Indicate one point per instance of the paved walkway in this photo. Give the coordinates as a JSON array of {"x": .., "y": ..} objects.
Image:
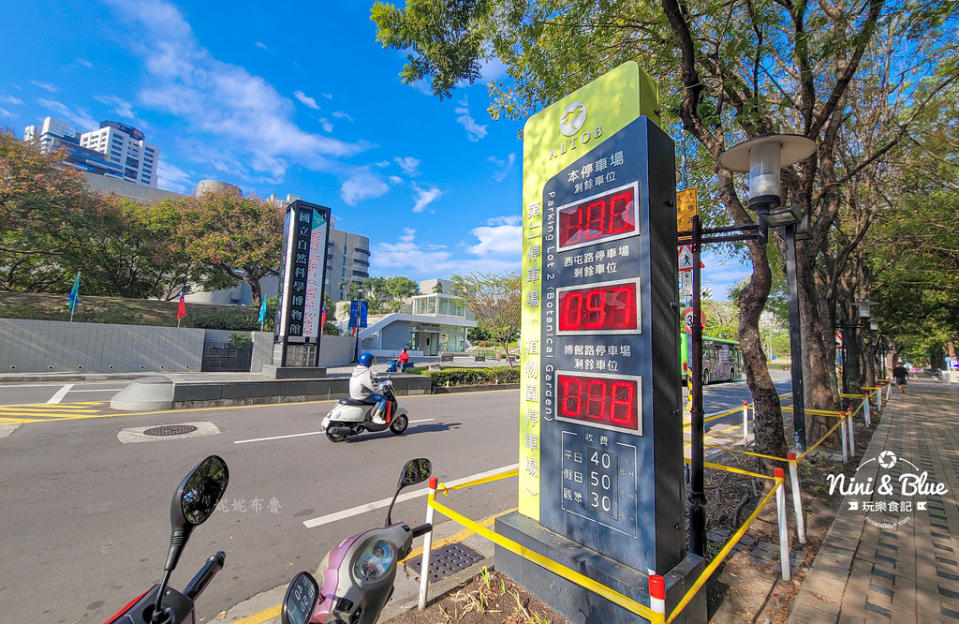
[{"x": 895, "y": 566}]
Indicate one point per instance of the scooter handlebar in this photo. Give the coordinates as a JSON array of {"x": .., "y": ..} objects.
[
  {"x": 199, "y": 582},
  {"x": 422, "y": 529}
]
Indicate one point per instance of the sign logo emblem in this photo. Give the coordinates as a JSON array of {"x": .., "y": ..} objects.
[{"x": 572, "y": 119}]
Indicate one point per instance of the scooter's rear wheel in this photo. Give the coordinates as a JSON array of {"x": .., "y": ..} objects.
[
  {"x": 398, "y": 425},
  {"x": 336, "y": 434}
]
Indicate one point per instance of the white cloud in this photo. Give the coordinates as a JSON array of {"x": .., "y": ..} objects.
[
  {"x": 120, "y": 106},
  {"x": 325, "y": 123},
  {"x": 497, "y": 240},
  {"x": 9, "y": 99},
  {"x": 5, "y": 113},
  {"x": 423, "y": 261},
  {"x": 46, "y": 86},
  {"x": 242, "y": 112},
  {"x": 261, "y": 45},
  {"x": 394, "y": 179},
  {"x": 409, "y": 165},
  {"x": 84, "y": 62},
  {"x": 505, "y": 220},
  {"x": 425, "y": 197},
  {"x": 328, "y": 96},
  {"x": 306, "y": 100},
  {"x": 342, "y": 115},
  {"x": 172, "y": 178},
  {"x": 474, "y": 131},
  {"x": 362, "y": 185},
  {"x": 80, "y": 118},
  {"x": 503, "y": 167}
]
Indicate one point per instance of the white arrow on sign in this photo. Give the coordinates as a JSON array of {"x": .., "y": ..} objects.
[{"x": 685, "y": 258}]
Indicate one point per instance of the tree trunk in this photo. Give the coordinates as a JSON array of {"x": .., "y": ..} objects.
[
  {"x": 768, "y": 427},
  {"x": 817, "y": 359},
  {"x": 255, "y": 292}
]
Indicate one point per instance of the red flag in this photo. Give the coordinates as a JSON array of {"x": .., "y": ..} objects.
[
  {"x": 181, "y": 309},
  {"x": 323, "y": 318}
]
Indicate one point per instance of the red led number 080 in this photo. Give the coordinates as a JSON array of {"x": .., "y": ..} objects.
[{"x": 600, "y": 401}]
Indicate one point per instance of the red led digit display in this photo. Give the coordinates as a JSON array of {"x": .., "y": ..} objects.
[
  {"x": 607, "y": 402},
  {"x": 601, "y": 217},
  {"x": 599, "y": 307}
]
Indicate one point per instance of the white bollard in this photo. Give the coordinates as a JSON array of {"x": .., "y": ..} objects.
[
  {"x": 745, "y": 423},
  {"x": 427, "y": 544},
  {"x": 842, "y": 434},
  {"x": 852, "y": 435},
  {"x": 657, "y": 594},
  {"x": 797, "y": 499},
  {"x": 888, "y": 390},
  {"x": 783, "y": 528},
  {"x": 865, "y": 408},
  {"x": 879, "y": 399}
]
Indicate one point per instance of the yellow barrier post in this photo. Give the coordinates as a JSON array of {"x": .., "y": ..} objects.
[
  {"x": 745, "y": 423},
  {"x": 852, "y": 435},
  {"x": 865, "y": 408},
  {"x": 783, "y": 528},
  {"x": 427, "y": 544},
  {"x": 797, "y": 498},
  {"x": 845, "y": 445},
  {"x": 657, "y": 596}
]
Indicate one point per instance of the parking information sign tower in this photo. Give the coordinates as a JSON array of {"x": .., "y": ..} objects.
[{"x": 601, "y": 456}]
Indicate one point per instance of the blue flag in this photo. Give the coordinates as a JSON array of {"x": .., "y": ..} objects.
[
  {"x": 262, "y": 317},
  {"x": 74, "y": 293}
]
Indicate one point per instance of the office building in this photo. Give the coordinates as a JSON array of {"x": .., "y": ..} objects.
[
  {"x": 124, "y": 146},
  {"x": 54, "y": 134}
]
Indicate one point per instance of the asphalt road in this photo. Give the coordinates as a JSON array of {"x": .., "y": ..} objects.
[{"x": 86, "y": 518}]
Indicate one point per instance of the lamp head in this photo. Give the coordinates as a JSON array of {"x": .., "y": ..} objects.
[{"x": 764, "y": 157}]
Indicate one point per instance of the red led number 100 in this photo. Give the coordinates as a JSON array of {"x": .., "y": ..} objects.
[{"x": 601, "y": 401}]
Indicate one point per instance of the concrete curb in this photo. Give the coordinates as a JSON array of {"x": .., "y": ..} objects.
[{"x": 19, "y": 378}]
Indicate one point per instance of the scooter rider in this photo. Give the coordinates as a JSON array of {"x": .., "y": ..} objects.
[{"x": 364, "y": 387}]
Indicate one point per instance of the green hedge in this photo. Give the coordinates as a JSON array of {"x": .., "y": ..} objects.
[{"x": 475, "y": 376}]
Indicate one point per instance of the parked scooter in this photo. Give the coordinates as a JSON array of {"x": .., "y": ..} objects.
[
  {"x": 194, "y": 500},
  {"x": 352, "y": 416},
  {"x": 358, "y": 574}
]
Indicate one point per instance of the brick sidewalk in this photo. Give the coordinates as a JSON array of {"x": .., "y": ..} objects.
[{"x": 906, "y": 572}]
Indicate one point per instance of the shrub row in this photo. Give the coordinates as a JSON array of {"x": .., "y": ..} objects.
[{"x": 475, "y": 376}]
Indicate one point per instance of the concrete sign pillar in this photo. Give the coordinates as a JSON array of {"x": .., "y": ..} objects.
[{"x": 601, "y": 444}]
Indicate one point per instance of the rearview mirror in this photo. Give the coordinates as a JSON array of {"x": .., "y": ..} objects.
[
  {"x": 415, "y": 471},
  {"x": 199, "y": 493},
  {"x": 300, "y": 600}
]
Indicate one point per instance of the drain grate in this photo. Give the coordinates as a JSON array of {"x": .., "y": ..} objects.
[
  {"x": 447, "y": 560},
  {"x": 169, "y": 430}
]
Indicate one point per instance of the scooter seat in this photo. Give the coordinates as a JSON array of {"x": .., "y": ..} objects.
[{"x": 354, "y": 402}]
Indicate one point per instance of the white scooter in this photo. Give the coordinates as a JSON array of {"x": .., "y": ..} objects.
[{"x": 351, "y": 416}]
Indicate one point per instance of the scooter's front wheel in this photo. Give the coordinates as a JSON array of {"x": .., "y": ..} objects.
[{"x": 398, "y": 425}]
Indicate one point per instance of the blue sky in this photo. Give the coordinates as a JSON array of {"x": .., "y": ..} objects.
[{"x": 285, "y": 97}]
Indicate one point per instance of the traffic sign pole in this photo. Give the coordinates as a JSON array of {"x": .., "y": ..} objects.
[{"x": 697, "y": 496}]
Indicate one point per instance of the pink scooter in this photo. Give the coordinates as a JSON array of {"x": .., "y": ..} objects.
[{"x": 358, "y": 574}]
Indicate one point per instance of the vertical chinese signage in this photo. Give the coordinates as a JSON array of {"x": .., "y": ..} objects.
[
  {"x": 600, "y": 432},
  {"x": 306, "y": 230}
]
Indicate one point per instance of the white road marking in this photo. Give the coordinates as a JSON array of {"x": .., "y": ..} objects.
[
  {"x": 62, "y": 392},
  {"x": 100, "y": 390},
  {"x": 308, "y": 433},
  {"x": 384, "y": 502},
  {"x": 6, "y": 430}
]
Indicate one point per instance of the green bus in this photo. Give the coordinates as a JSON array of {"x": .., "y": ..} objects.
[{"x": 722, "y": 359}]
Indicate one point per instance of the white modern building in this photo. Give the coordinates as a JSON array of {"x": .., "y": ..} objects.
[
  {"x": 436, "y": 321},
  {"x": 124, "y": 146}
]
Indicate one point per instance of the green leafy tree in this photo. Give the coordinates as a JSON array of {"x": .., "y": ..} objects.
[
  {"x": 494, "y": 300},
  {"x": 388, "y": 294},
  {"x": 240, "y": 237},
  {"x": 728, "y": 71}
]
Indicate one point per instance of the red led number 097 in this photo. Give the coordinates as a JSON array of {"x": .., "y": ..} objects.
[{"x": 599, "y": 400}]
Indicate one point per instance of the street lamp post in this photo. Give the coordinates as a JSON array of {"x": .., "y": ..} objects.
[
  {"x": 850, "y": 344},
  {"x": 763, "y": 157}
]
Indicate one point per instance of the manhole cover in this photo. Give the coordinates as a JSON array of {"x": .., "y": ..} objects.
[
  {"x": 447, "y": 560},
  {"x": 169, "y": 430}
]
